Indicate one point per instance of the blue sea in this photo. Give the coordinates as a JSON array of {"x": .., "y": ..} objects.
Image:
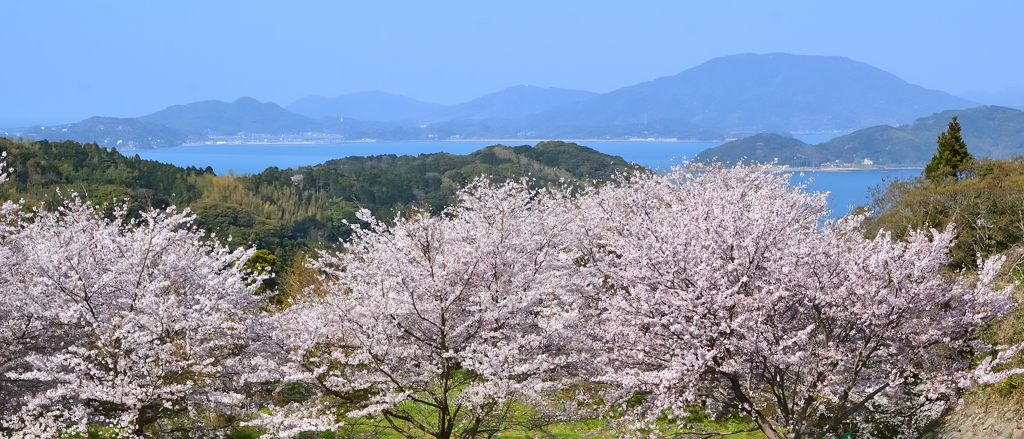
[{"x": 847, "y": 189}]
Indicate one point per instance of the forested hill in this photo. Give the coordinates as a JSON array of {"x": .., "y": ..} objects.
[
  {"x": 287, "y": 209},
  {"x": 39, "y": 168},
  {"x": 765, "y": 148},
  {"x": 989, "y": 131},
  {"x": 430, "y": 179}
]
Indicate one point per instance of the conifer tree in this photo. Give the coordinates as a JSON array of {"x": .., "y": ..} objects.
[{"x": 951, "y": 157}]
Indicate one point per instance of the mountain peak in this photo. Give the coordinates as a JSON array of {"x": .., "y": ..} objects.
[
  {"x": 245, "y": 114},
  {"x": 750, "y": 93},
  {"x": 245, "y": 100}
]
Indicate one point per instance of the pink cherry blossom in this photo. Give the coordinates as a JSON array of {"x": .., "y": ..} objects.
[
  {"x": 445, "y": 325},
  {"x": 120, "y": 321},
  {"x": 730, "y": 287}
]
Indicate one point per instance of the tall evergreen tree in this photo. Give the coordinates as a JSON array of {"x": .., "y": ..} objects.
[{"x": 951, "y": 157}]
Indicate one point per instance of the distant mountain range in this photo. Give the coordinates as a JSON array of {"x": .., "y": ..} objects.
[
  {"x": 726, "y": 97},
  {"x": 989, "y": 131}
]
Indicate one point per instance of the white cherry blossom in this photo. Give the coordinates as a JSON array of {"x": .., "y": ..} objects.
[
  {"x": 130, "y": 321},
  {"x": 730, "y": 286},
  {"x": 445, "y": 326}
]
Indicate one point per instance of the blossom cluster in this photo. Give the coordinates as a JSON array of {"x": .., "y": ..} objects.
[
  {"x": 704, "y": 287},
  {"x": 117, "y": 321}
]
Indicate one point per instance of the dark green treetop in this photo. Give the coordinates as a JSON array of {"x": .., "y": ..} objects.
[{"x": 951, "y": 158}]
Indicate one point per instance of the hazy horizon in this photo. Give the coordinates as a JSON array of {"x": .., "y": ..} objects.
[{"x": 68, "y": 61}]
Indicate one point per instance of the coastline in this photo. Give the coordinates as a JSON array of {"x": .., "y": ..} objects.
[
  {"x": 515, "y": 142},
  {"x": 336, "y": 141}
]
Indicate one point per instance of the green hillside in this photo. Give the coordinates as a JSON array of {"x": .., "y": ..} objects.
[
  {"x": 990, "y": 132},
  {"x": 39, "y": 168},
  {"x": 765, "y": 148}
]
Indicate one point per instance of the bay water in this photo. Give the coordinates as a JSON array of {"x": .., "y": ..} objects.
[{"x": 847, "y": 188}]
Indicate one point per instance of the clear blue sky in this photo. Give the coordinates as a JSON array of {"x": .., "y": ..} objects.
[{"x": 64, "y": 61}]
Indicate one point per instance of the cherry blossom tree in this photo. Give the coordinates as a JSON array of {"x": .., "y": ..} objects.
[
  {"x": 20, "y": 330},
  {"x": 462, "y": 325},
  {"x": 143, "y": 325},
  {"x": 730, "y": 286}
]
